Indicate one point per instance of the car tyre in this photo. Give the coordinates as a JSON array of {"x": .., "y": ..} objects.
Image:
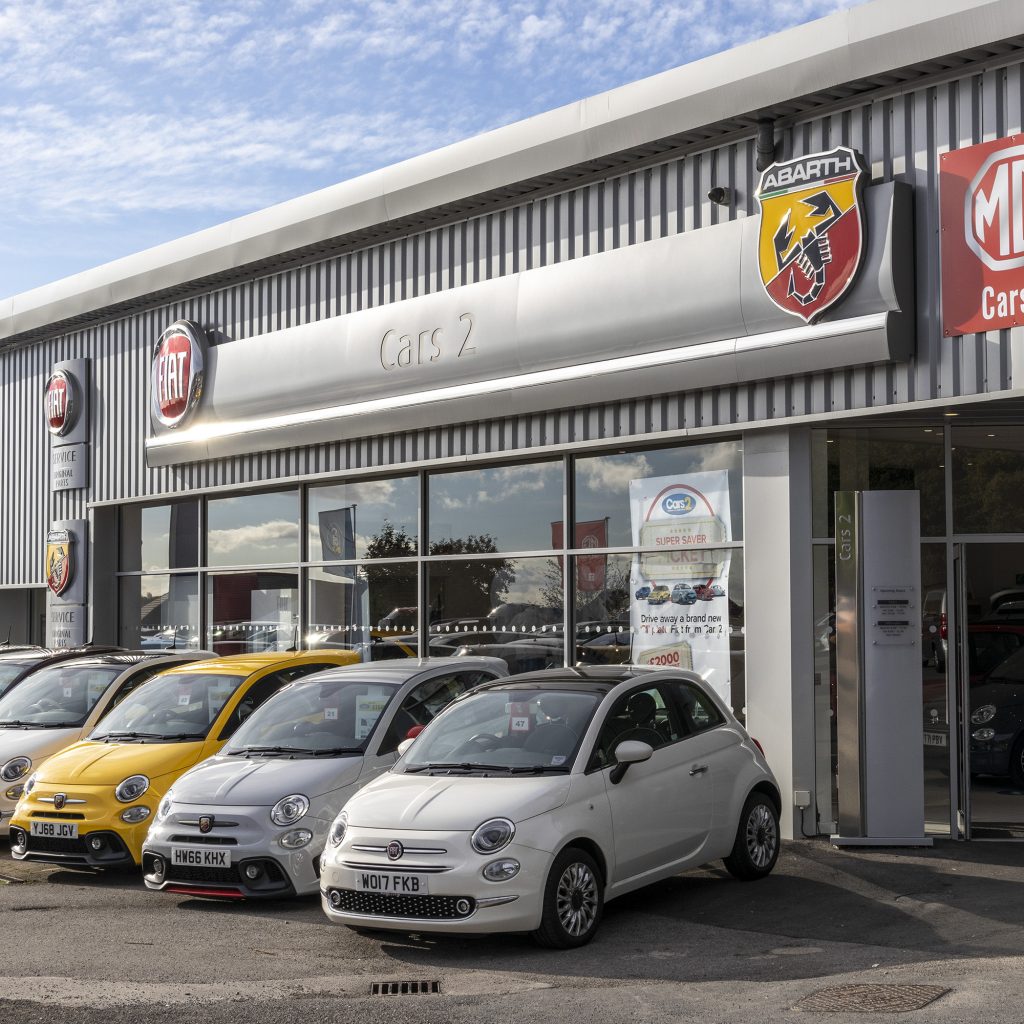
[
  {"x": 756, "y": 848},
  {"x": 573, "y": 901},
  {"x": 1017, "y": 763}
]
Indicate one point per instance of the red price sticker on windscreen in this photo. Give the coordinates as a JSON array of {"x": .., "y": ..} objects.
[{"x": 519, "y": 718}]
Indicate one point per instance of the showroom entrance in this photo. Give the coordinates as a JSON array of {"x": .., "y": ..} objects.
[{"x": 988, "y": 662}]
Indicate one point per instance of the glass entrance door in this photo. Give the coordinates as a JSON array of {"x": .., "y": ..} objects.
[{"x": 990, "y": 686}]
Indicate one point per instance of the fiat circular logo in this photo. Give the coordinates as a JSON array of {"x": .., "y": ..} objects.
[
  {"x": 61, "y": 402},
  {"x": 395, "y": 850},
  {"x": 179, "y": 364}
]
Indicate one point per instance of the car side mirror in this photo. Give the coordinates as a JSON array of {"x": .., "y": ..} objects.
[
  {"x": 626, "y": 753},
  {"x": 405, "y": 745},
  {"x": 414, "y": 731}
]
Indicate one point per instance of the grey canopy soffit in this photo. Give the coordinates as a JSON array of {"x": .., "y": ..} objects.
[{"x": 675, "y": 314}]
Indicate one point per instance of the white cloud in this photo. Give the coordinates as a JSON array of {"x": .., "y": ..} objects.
[
  {"x": 239, "y": 538},
  {"x": 613, "y": 474}
]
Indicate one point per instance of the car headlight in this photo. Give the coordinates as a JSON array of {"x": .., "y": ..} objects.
[
  {"x": 338, "y": 829},
  {"x": 493, "y": 835},
  {"x": 132, "y": 788},
  {"x": 30, "y": 782},
  {"x": 979, "y": 716},
  {"x": 165, "y": 806},
  {"x": 289, "y": 810},
  {"x": 15, "y": 769}
]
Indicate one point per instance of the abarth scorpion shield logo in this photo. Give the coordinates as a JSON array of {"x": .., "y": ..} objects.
[
  {"x": 59, "y": 800},
  {"x": 60, "y": 565},
  {"x": 205, "y": 823},
  {"x": 395, "y": 850},
  {"x": 812, "y": 237}
]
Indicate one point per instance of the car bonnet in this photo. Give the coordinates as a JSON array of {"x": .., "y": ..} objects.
[
  {"x": 255, "y": 781},
  {"x": 34, "y": 744},
  {"x": 107, "y": 764},
  {"x": 448, "y": 803}
]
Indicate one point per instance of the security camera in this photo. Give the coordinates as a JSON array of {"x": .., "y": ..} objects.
[{"x": 720, "y": 195}]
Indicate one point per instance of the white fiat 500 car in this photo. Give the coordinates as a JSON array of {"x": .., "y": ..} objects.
[
  {"x": 253, "y": 820},
  {"x": 533, "y": 800},
  {"x": 60, "y": 703}
]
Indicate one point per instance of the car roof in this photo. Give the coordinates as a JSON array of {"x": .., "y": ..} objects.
[
  {"x": 246, "y": 664},
  {"x": 32, "y": 655},
  {"x": 399, "y": 671},
  {"x": 129, "y": 658},
  {"x": 585, "y": 678}
]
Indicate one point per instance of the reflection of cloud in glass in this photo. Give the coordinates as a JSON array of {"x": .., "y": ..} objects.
[
  {"x": 613, "y": 473},
  {"x": 224, "y": 541},
  {"x": 719, "y": 456},
  {"x": 499, "y": 484}
]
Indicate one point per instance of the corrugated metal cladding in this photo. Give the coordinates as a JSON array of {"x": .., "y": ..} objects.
[{"x": 901, "y": 136}]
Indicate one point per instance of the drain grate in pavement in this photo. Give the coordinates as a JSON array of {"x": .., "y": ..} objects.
[
  {"x": 405, "y": 988},
  {"x": 871, "y": 998}
]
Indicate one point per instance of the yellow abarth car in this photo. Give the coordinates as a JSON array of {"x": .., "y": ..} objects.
[{"x": 90, "y": 805}]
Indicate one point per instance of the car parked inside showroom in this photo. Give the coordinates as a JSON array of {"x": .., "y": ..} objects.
[
  {"x": 91, "y": 804},
  {"x": 531, "y": 801},
  {"x": 60, "y": 703},
  {"x": 997, "y": 721},
  {"x": 252, "y": 821}
]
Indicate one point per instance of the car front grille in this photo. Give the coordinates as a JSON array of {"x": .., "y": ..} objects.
[
  {"x": 187, "y": 873},
  {"x": 48, "y": 844},
  {"x": 422, "y": 908}
]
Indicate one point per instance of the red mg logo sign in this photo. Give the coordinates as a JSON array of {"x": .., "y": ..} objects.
[
  {"x": 994, "y": 210},
  {"x": 179, "y": 362},
  {"x": 60, "y": 403},
  {"x": 981, "y": 204}
]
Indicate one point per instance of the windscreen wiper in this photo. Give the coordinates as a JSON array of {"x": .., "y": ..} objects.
[
  {"x": 58, "y": 725},
  {"x": 537, "y": 769},
  {"x": 268, "y": 750},
  {"x": 184, "y": 736},
  {"x": 128, "y": 736},
  {"x": 336, "y": 751},
  {"x": 463, "y": 766},
  {"x": 15, "y": 723}
]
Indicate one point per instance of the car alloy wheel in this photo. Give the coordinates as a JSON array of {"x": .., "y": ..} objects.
[
  {"x": 762, "y": 836},
  {"x": 576, "y": 899},
  {"x": 756, "y": 847},
  {"x": 573, "y": 901}
]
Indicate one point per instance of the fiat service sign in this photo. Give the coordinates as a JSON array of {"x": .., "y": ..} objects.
[
  {"x": 981, "y": 192},
  {"x": 59, "y": 402},
  {"x": 176, "y": 384}
]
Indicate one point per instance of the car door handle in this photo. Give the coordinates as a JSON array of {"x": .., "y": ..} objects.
[{"x": 699, "y": 769}]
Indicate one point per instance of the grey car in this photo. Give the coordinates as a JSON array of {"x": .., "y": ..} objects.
[{"x": 253, "y": 820}]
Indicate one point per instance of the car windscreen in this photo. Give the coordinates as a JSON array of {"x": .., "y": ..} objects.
[
  {"x": 9, "y": 671},
  {"x": 60, "y": 696},
  {"x": 514, "y": 731},
  {"x": 315, "y": 719},
  {"x": 171, "y": 706},
  {"x": 1010, "y": 670}
]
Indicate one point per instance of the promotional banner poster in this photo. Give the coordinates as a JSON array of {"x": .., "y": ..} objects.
[{"x": 679, "y": 603}]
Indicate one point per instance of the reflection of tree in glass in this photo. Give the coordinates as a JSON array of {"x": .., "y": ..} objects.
[
  {"x": 393, "y": 585},
  {"x": 468, "y": 588},
  {"x": 609, "y": 604},
  {"x": 987, "y": 489}
]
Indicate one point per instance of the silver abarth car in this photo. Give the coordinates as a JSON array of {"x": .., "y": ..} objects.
[{"x": 253, "y": 820}]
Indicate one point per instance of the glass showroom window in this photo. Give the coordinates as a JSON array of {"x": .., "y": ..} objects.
[
  {"x": 503, "y": 508},
  {"x": 253, "y": 529},
  {"x": 369, "y": 606},
  {"x": 508, "y": 608},
  {"x": 252, "y": 611},
  {"x": 367, "y": 519},
  {"x": 155, "y": 538},
  {"x": 604, "y": 484},
  {"x": 160, "y": 611}
]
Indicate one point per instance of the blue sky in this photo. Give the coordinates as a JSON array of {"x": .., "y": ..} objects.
[{"x": 126, "y": 123}]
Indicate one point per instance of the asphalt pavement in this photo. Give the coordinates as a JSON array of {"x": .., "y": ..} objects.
[{"x": 699, "y": 947}]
